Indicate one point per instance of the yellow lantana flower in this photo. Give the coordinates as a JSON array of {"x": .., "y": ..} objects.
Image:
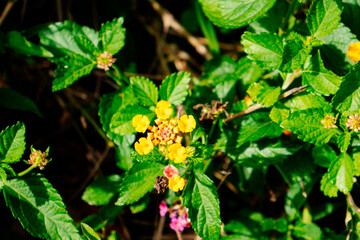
[
  {"x": 163, "y": 110},
  {"x": 140, "y": 123},
  {"x": 354, "y": 52},
  {"x": 176, "y": 183},
  {"x": 177, "y": 153},
  {"x": 144, "y": 146},
  {"x": 186, "y": 123}
]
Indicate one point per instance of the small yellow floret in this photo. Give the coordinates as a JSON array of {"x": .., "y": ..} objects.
[
  {"x": 144, "y": 146},
  {"x": 177, "y": 153},
  {"x": 186, "y": 123},
  {"x": 176, "y": 183},
  {"x": 140, "y": 123},
  {"x": 163, "y": 110},
  {"x": 354, "y": 52}
]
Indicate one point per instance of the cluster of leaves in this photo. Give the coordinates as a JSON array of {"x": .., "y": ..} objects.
[{"x": 306, "y": 54}]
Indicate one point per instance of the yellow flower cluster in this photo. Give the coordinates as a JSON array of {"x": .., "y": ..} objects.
[
  {"x": 354, "y": 52},
  {"x": 329, "y": 121},
  {"x": 353, "y": 122},
  {"x": 165, "y": 133},
  {"x": 176, "y": 183}
]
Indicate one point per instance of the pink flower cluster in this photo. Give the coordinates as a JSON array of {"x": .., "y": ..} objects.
[{"x": 178, "y": 215}]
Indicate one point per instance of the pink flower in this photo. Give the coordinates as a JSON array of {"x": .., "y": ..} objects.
[
  {"x": 171, "y": 171},
  {"x": 178, "y": 224},
  {"x": 163, "y": 208}
]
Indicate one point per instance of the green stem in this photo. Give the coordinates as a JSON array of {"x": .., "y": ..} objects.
[
  {"x": 120, "y": 75},
  {"x": 289, "y": 12},
  {"x": 114, "y": 77},
  {"x": 26, "y": 170},
  {"x": 283, "y": 174}
]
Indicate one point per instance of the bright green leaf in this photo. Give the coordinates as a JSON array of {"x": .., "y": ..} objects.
[
  {"x": 319, "y": 78},
  {"x": 154, "y": 156},
  {"x": 324, "y": 17},
  {"x": 339, "y": 177},
  {"x": 255, "y": 129},
  {"x": 112, "y": 103},
  {"x": 307, "y": 125},
  {"x": 174, "y": 88},
  {"x": 262, "y": 93},
  {"x": 235, "y": 13},
  {"x": 145, "y": 90},
  {"x": 14, "y": 100},
  {"x": 304, "y": 100},
  {"x": 308, "y": 231},
  {"x": 12, "y": 144},
  {"x": 21, "y": 45},
  {"x": 112, "y": 35},
  {"x": 323, "y": 155},
  {"x": 121, "y": 122},
  {"x": 348, "y": 96},
  {"x": 62, "y": 39},
  {"x": 265, "y": 48},
  {"x": 138, "y": 181},
  {"x": 122, "y": 154},
  {"x": 39, "y": 208},
  {"x": 201, "y": 198},
  {"x": 279, "y": 113},
  {"x": 89, "y": 232},
  {"x": 140, "y": 205},
  {"x": 3, "y": 177},
  {"x": 101, "y": 190},
  {"x": 296, "y": 51},
  {"x": 258, "y": 155},
  {"x": 220, "y": 69},
  {"x": 69, "y": 69}
]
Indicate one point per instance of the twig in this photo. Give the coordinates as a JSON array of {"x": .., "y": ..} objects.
[
  {"x": 352, "y": 203},
  {"x": 59, "y": 12},
  {"x": 6, "y": 11},
  {"x": 160, "y": 228},
  {"x": 179, "y": 236},
  {"x": 258, "y": 105},
  {"x": 169, "y": 20}
]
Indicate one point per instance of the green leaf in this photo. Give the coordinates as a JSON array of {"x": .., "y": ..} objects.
[
  {"x": 201, "y": 198},
  {"x": 140, "y": 205},
  {"x": 14, "y": 100},
  {"x": 69, "y": 69},
  {"x": 262, "y": 93},
  {"x": 255, "y": 129},
  {"x": 307, "y": 125},
  {"x": 344, "y": 141},
  {"x": 112, "y": 103},
  {"x": 112, "y": 36},
  {"x": 3, "y": 177},
  {"x": 138, "y": 181},
  {"x": 174, "y": 88},
  {"x": 339, "y": 176},
  {"x": 235, "y": 13},
  {"x": 12, "y": 144},
  {"x": 308, "y": 231},
  {"x": 323, "y": 155},
  {"x": 296, "y": 51},
  {"x": 335, "y": 49},
  {"x": 121, "y": 122},
  {"x": 89, "y": 232},
  {"x": 248, "y": 71},
  {"x": 122, "y": 155},
  {"x": 324, "y": 17},
  {"x": 356, "y": 157},
  {"x": 279, "y": 113},
  {"x": 260, "y": 154},
  {"x": 101, "y": 190},
  {"x": 319, "y": 78},
  {"x": 154, "y": 156},
  {"x": 304, "y": 100},
  {"x": 220, "y": 69},
  {"x": 64, "y": 38},
  {"x": 348, "y": 96},
  {"x": 21, "y": 45},
  {"x": 39, "y": 208},
  {"x": 265, "y": 48},
  {"x": 145, "y": 90}
]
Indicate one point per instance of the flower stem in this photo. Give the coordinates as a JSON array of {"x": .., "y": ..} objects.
[
  {"x": 120, "y": 76},
  {"x": 26, "y": 171}
]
